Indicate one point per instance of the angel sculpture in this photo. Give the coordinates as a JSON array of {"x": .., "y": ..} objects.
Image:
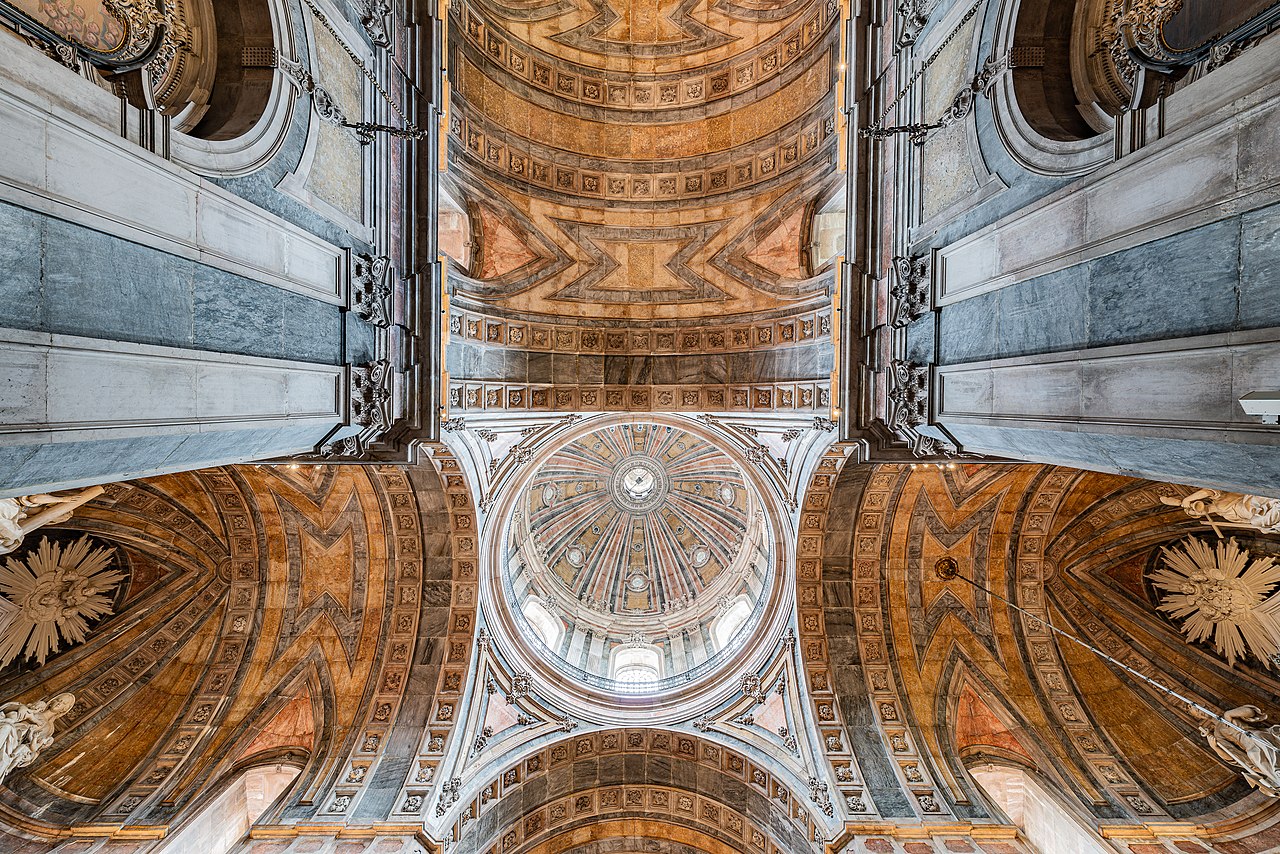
[
  {"x": 22, "y": 515},
  {"x": 1241, "y": 738},
  {"x": 26, "y": 730},
  {"x": 1235, "y": 509}
]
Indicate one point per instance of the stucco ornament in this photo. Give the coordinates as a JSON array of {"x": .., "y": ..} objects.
[
  {"x": 24, "y": 514},
  {"x": 1234, "y": 509},
  {"x": 51, "y": 595},
  {"x": 26, "y": 730},
  {"x": 1222, "y": 593},
  {"x": 1242, "y": 739}
]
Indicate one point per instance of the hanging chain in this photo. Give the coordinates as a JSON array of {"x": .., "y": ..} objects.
[
  {"x": 365, "y": 129},
  {"x": 877, "y": 129}
]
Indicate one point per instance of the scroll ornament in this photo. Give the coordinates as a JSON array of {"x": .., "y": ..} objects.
[
  {"x": 1222, "y": 593},
  {"x": 26, "y": 730}
]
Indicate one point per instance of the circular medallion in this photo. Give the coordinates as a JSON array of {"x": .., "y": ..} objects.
[{"x": 639, "y": 485}]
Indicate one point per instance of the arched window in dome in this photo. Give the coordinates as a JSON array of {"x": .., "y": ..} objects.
[
  {"x": 637, "y": 665},
  {"x": 544, "y": 623},
  {"x": 725, "y": 626}
]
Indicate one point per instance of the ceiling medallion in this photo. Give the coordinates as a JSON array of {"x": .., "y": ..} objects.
[{"x": 639, "y": 485}]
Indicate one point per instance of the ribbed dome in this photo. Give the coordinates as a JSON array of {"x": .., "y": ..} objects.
[
  {"x": 636, "y": 554},
  {"x": 637, "y": 519}
]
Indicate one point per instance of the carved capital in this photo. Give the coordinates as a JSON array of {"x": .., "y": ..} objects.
[
  {"x": 909, "y": 295},
  {"x": 370, "y": 291},
  {"x": 371, "y": 395}
]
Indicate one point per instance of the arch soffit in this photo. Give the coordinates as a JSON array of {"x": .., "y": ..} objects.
[{"x": 682, "y": 778}]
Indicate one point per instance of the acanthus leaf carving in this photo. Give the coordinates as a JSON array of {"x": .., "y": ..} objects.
[
  {"x": 909, "y": 295},
  {"x": 371, "y": 395},
  {"x": 908, "y": 397},
  {"x": 370, "y": 291}
]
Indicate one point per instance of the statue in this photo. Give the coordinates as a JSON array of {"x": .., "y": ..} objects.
[
  {"x": 22, "y": 515},
  {"x": 26, "y": 730},
  {"x": 1243, "y": 741},
  {"x": 1236, "y": 509}
]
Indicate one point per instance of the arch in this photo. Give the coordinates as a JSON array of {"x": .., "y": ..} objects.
[
  {"x": 1041, "y": 815},
  {"x": 549, "y": 630},
  {"x": 245, "y": 795},
  {"x": 725, "y": 626},
  {"x": 598, "y": 782},
  {"x": 635, "y": 665},
  {"x": 250, "y": 103},
  {"x": 1036, "y": 105}
]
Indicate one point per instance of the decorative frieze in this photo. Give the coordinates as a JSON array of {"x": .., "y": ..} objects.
[
  {"x": 798, "y": 329},
  {"x": 639, "y": 398}
]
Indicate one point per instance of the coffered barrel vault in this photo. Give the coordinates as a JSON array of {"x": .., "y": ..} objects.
[{"x": 652, "y": 169}]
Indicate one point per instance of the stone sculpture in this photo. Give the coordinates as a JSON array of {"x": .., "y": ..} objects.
[
  {"x": 26, "y": 730},
  {"x": 1235, "y": 509},
  {"x": 50, "y": 595},
  {"x": 24, "y": 514},
  {"x": 1223, "y": 594},
  {"x": 1241, "y": 738}
]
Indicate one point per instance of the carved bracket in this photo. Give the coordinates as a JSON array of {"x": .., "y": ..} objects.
[
  {"x": 909, "y": 408},
  {"x": 374, "y": 20},
  {"x": 914, "y": 15}
]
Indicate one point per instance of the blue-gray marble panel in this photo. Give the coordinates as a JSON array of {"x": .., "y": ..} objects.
[
  {"x": 1179, "y": 286},
  {"x": 967, "y": 330},
  {"x": 236, "y": 315},
  {"x": 104, "y": 287},
  {"x": 1045, "y": 314},
  {"x": 21, "y": 244},
  {"x": 1260, "y": 269}
]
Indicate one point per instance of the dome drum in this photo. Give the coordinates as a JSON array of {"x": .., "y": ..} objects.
[{"x": 635, "y": 560}]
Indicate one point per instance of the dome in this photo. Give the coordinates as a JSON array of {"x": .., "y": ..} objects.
[
  {"x": 636, "y": 519},
  {"x": 637, "y": 553}
]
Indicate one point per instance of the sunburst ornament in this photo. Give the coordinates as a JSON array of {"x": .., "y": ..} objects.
[
  {"x": 52, "y": 595},
  {"x": 1222, "y": 593}
]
